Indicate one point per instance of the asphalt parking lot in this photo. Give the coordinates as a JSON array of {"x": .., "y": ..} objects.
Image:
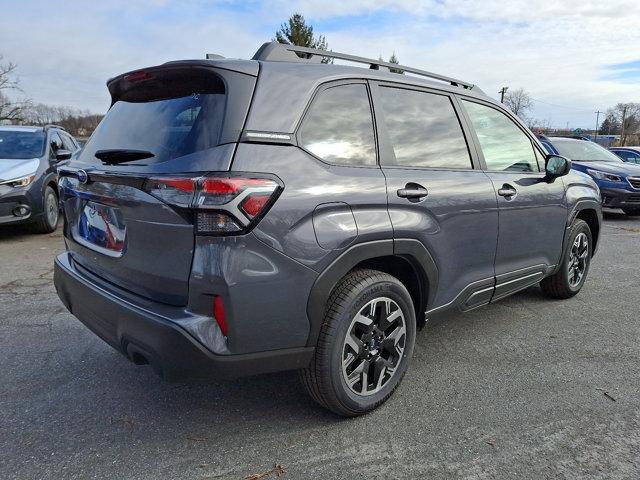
[{"x": 527, "y": 388}]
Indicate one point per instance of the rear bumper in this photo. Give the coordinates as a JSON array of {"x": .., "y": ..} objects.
[
  {"x": 147, "y": 334},
  {"x": 618, "y": 198}
]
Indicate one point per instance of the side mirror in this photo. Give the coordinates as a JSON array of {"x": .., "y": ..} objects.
[
  {"x": 557, "y": 166},
  {"x": 63, "y": 154}
]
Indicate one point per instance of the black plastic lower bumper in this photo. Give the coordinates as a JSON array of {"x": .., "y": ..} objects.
[
  {"x": 619, "y": 198},
  {"x": 10, "y": 210},
  {"x": 145, "y": 337}
]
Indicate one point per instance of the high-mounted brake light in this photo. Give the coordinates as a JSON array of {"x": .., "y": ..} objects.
[
  {"x": 138, "y": 76},
  {"x": 223, "y": 205}
]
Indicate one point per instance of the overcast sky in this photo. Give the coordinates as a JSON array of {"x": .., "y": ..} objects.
[{"x": 573, "y": 57}]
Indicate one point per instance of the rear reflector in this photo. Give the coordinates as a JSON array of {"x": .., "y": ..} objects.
[
  {"x": 223, "y": 205},
  {"x": 253, "y": 205},
  {"x": 218, "y": 313}
]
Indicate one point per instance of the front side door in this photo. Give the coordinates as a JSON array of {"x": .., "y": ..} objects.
[
  {"x": 532, "y": 210},
  {"x": 435, "y": 194}
]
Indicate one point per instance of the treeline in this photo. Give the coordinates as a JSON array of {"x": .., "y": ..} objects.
[
  {"x": 623, "y": 120},
  {"x": 79, "y": 123}
]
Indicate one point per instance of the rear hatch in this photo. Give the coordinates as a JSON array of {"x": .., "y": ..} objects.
[{"x": 126, "y": 220}]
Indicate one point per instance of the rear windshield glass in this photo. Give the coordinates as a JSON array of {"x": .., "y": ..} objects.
[
  {"x": 17, "y": 145},
  {"x": 168, "y": 121}
]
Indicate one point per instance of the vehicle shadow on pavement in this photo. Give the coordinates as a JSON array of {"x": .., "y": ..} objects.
[
  {"x": 13, "y": 231},
  {"x": 135, "y": 398},
  {"x": 617, "y": 216},
  {"x": 24, "y": 232}
]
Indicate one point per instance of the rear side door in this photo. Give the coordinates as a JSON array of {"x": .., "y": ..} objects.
[
  {"x": 436, "y": 193},
  {"x": 628, "y": 155},
  {"x": 532, "y": 210}
]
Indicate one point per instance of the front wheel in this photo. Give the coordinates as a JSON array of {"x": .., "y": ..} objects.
[
  {"x": 365, "y": 344},
  {"x": 49, "y": 220},
  {"x": 570, "y": 278}
]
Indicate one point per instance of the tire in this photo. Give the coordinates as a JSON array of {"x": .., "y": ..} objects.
[
  {"x": 386, "y": 344},
  {"x": 570, "y": 278},
  {"x": 634, "y": 211},
  {"x": 49, "y": 220}
]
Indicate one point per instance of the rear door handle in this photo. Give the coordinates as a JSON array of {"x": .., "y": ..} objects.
[
  {"x": 507, "y": 191},
  {"x": 413, "y": 191}
]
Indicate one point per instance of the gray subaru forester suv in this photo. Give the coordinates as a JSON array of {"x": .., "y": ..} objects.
[{"x": 234, "y": 217}]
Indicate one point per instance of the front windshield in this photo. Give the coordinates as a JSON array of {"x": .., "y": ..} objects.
[
  {"x": 584, "y": 151},
  {"x": 21, "y": 144}
]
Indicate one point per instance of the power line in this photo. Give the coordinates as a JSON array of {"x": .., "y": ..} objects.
[{"x": 560, "y": 106}]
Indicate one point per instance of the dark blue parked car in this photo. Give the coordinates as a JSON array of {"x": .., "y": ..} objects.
[
  {"x": 628, "y": 154},
  {"x": 619, "y": 182}
]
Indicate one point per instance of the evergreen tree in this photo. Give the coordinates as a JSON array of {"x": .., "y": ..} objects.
[
  {"x": 610, "y": 125},
  {"x": 297, "y": 32},
  {"x": 394, "y": 59}
]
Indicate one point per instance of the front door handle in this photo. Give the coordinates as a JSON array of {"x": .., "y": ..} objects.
[
  {"x": 507, "y": 191},
  {"x": 413, "y": 191}
]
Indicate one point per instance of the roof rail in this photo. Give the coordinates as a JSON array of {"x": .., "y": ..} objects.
[
  {"x": 51, "y": 125},
  {"x": 282, "y": 52}
]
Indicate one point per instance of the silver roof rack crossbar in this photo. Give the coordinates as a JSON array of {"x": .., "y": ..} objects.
[{"x": 280, "y": 52}]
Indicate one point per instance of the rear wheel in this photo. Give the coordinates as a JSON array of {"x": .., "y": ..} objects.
[
  {"x": 570, "y": 278},
  {"x": 49, "y": 220},
  {"x": 631, "y": 210},
  {"x": 364, "y": 345}
]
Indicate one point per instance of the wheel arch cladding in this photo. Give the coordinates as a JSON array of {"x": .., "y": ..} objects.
[
  {"x": 590, "y": 216},
  {"x": 407, "y": 260}
]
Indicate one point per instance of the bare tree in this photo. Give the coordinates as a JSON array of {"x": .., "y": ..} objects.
[
  {"x": 518, "y": 101},
  {"x": 10, "y": 111},
  {"x": 538, "y": 125},
  {"x": 80, "y": 123},
  {"x": 627, "y": 115}
]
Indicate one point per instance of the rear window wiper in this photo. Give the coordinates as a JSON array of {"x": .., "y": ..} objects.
[{"x": 116, "y": 156}]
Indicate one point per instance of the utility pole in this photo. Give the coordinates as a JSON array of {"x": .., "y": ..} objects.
[
  {"x": 502, "y": 91},
  {"x": 597, "y": 123}
]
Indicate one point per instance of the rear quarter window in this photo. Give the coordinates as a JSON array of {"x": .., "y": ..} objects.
[{"x": 338, "y": 127}]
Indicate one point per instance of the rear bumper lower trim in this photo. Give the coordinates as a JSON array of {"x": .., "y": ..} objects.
[{"x": 169, "y": 349}]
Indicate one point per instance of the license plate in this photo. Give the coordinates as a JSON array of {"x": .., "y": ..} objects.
[{"x": 102, "y": 228}]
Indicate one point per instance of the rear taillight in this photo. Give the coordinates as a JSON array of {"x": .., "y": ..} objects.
[{"x": 222, "y": 205}]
